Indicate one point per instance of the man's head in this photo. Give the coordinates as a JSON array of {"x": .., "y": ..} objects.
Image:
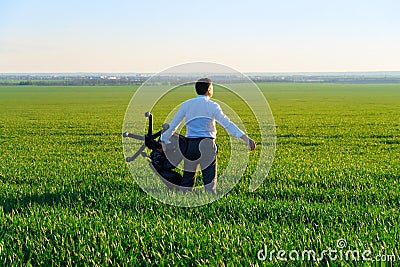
[{"x": 204, "y": 87}]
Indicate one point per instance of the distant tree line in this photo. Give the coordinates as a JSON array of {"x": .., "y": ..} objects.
[
  {"x": 139, "y": 80},
  {"x": 72, "y": 82}
]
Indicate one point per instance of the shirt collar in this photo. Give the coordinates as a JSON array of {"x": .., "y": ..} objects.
[{"x": 203, "y": 96}]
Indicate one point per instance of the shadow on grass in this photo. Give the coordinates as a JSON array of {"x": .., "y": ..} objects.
[
  {"x": 15, "y": 204},
  {"x": 98, "y": 195}
]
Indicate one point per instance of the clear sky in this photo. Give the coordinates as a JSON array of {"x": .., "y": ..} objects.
[{"x": 149, "y": 36}]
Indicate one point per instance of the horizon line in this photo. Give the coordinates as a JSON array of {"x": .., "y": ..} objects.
[{"x": 249, "y": 72}]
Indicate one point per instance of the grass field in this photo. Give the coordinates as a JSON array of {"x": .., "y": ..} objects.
[{"x": 67, "y": 196}]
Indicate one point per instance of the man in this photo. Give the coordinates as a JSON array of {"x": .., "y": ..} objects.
[{"x": 200, "y": 114}]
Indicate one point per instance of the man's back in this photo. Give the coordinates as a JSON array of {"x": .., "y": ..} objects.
[
  {"x": 199, "y": 117},
  {"x": 200, "y": 114}
]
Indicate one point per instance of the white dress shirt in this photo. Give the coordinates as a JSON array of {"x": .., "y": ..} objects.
[{"x": 200, "y": 114}]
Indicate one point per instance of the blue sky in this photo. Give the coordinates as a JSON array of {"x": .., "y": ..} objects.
[{"x": 148, "y": 36}]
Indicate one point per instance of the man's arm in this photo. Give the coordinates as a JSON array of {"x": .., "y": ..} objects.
[
  {"x": 231, "y": 127},
  {"x": 228, "y": 125},
  {"x": 179, "y": 116},
  {"x": 250, "y": 142}
]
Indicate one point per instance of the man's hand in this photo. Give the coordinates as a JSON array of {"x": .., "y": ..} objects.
[{"x": 250, "y": 142}]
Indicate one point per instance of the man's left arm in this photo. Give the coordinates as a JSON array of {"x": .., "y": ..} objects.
[{"x": 179, "y": 116}]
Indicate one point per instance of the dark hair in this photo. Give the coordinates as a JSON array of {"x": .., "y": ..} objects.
[{"x": 202, "y": 86}]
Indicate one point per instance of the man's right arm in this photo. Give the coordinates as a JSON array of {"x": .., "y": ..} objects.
[
  {"x": 250, "y": 142},
  {"x": 232, "y": 128},
  {"x": 228, "y": 125}
]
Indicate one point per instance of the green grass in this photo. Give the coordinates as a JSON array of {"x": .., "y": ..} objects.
[{"x": 67, "y": 196}]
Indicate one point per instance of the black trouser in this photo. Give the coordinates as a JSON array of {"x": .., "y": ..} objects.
[{"x": 201, "y": 151}]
